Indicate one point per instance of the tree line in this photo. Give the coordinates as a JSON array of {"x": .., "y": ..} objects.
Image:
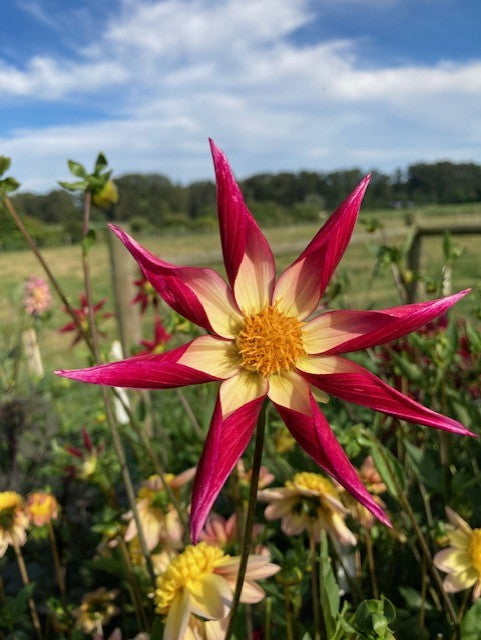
[{"x": 153, "y": 201}]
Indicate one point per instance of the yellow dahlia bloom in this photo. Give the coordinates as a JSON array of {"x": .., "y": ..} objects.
[
  {"x": 41, "y": 508},
  {"x": 13, "y": 521},
  {"x": 201, "y": 581},
  {"x": 462, "y": 559},
  {"x": 309, "y": 502},
  {"x": 160, "y": 521},
  {"x": 96, "y": 610}
]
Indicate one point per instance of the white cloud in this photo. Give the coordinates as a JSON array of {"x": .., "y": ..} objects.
[{"x": 178, "y": 71}]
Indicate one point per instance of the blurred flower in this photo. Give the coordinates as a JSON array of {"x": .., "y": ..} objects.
[
  {"x": 96, "y": 610},
  {"x": 157, "y": 345},
  {"x": 265, "y": 476},
  {"x": 41, "y": 508},
  {"x": 37, "y": 297},
  {"x": 106, "y": 197},
  {"x": 264, "y": 341},
  {"x": 146, "y": 294},
  {"x": 13, "y": 521},
  {"x": 309, "y": 502},
  {"x": 223, "y": 532},
  {"x": 160, "y": 520},
  {"x": 88, "y": 457},
  {"x": 201, "y": 581},
  {"x": 82, "y": 314},
  {"x": 283, "y": 440},
  {"x": 374, "y": 484},
  {"x": 462, "y": 559}
]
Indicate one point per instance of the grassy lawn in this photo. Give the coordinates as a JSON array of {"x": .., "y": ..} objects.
[{"x": 364, "y": 291}]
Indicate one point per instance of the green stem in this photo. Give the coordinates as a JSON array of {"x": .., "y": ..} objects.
[
  {"x": 247, "y": 540},
  {"x": 314, "y": 589},
  {"x": 26, "y": 582}
]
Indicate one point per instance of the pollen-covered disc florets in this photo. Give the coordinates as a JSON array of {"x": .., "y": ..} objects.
[
  {"x": 188, "y": 567},
  {"x": 313, "y": 482},
  {"x": 270, "y": 342},
  {"x": 475, "y": 549}
]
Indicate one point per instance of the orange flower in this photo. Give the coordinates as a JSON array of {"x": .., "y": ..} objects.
[{"x": 41, "y": 508}]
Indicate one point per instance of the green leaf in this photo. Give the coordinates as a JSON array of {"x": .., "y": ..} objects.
[
  {"x": 100, "y": 163},
  {"x": 77, "y": 169},
  {"x": 7, "y": 185},
  {"x": 329, "y": 589},
  {"x": 157, "y": 631},
  {"x": 4, "y": 164},
  {"x": 88, "y": 241},
  {"x": 81, "y": 185},
  {"x": 388, "y": 467},
  {"x": 471, "y": 623}
]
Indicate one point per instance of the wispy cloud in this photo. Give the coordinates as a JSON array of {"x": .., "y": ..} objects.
[{"x": 177, "y": 71}]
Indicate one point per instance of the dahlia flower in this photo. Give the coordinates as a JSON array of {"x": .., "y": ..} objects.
[
  {"x": 309, "y": 502},
  {"x": 13, "y": 521},
  {"x": 82, "y": 314},
  {"x": 157, "y": 345},
  {"x": 264, "y": 339},
  {"x": 41, "y": 508},
  {"x": 37, "y": 297},
  {"x": 201, "y": 581},
  {"x": 160, "y": 521},
  {"x": 461, "y": 560}
]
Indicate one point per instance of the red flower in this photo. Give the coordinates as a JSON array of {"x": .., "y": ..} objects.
[
  {"x": 161, "y": 337},
  {"x": 146, "y": 294},
  {"x": 263, "y": 340},
  {"x": 82, "y": 314}
]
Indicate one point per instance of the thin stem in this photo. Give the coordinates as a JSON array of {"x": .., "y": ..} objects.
[
  {"x": 372, "y": 565},
  {"x": 56, "y": 561},
  {"x": 247, "y": 540},
  {"x": 314, "y": 589},
  {"x": 267, "y": 619},
  {"x": 191, "y": 415},
  {"x": 437, "y": 582},
  {"x": 26, "y": 582},
  {"x": 132, "y": 579},
  {"x": 288, "y": 614}
]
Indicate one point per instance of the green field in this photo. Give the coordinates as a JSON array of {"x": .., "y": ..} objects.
[{"x": 363, "y": 290}]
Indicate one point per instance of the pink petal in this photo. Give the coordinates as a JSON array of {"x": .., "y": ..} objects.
[
  {"x": 199, "y": 294},
  {"x": 248, "y": 258},
  {"x": 226, "y": 442},
  {"x": 355, "y": 384},
  {"x": 370, "y": 328},
  {"x": 152, "y": 371},
  {"x": 315, "y": 436},
  {"x": 301, "y": 286}
]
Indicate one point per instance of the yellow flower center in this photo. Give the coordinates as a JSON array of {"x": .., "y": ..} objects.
[
  {"x": 270, "y": 342},
  {"x": 475, "y": 550},
  {"x": 10, "y": 503},
  {"x": 313, "y": 482},
  {"x": 191, "y": 565}
]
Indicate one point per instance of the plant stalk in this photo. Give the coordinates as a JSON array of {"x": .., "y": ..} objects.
[{"x": 247, "y": 539}]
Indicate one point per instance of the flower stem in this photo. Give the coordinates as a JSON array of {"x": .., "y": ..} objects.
[
  {"x": 314, "y": 589},
  {"x": 26, "y": 582},
  {"x": 247, "y": 539},
  {"x": 56, "y": 561},
  {"x": 371, "y": 564}
]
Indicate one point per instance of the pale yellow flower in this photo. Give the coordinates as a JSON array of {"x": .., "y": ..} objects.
[
  {"x": 201, "y": 581},
  {"x": 462, "y": 559},
  {"x": 13, "y": 521},
  {"x": 309, "y": 502},
  {"x": 96, "y": 609},
  {"x": 41, "y": 508},
  {"x": 160, "y": 521}
]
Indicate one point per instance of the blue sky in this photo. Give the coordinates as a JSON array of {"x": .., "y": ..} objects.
[{"x": 279, "y": 84}]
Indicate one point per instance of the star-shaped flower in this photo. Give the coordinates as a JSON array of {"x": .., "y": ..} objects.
[{"x": 265, "y": 339}]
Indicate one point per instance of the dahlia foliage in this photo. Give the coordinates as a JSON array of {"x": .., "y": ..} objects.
[{"x": 266, "y": 338}]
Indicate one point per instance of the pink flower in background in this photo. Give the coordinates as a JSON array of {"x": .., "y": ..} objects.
[
  {"x": 146, "y": 294},
  {"x": 36, "y": 297},
  {"x": 161, "y": 337},
  {"x": 82, "y": 314},
  {"x": 264, "y": 340}
]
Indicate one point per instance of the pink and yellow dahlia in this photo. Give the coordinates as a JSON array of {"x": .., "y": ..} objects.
[
  {"x": 13, "y": 520},
  {"x": 462, "y": 559},
  {"x": 201, "y": 581},
  {"x": 309, "y": 502},
  {"x": 37, "y": 297},
  {"x": 265, "y": 339},
  {"x": 41, "y": 508}
]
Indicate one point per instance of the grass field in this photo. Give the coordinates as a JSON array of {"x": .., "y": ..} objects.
[{"x": 363, "y": 290}]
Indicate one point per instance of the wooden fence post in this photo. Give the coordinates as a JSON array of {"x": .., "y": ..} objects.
[{"x": 124, "y": 271}]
